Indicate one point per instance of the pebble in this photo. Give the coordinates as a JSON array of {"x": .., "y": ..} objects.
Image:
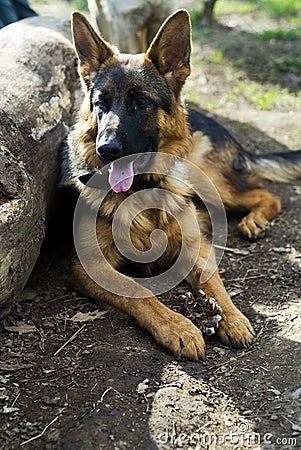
[
  {"x": 48, "y": 324},
  {"x": 280, "y": 249},
  {"x": 247, "y": 412},
  {"x": 220, "y": 351},
  {"x": 51, "y": 401},
  {"x": 296, "y": 395},
  {"x": 275, "y": 392},
  {"x": 29, "y": 294}
]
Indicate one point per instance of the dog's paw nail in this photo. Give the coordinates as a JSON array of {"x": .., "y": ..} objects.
[
  {"x": 209, "y": 331},
  {"x": 201, "y": 293},
  {"x": 216, "y": 319}
]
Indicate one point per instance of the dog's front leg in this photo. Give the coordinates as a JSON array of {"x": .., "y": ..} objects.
[
  {"x": 170, "y": 329},
  {"x": 234, "y": 329}
]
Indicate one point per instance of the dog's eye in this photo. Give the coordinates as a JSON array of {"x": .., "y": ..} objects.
[
  {"x": 100, "y": 103},
  {"x": 141, "y": 101}
]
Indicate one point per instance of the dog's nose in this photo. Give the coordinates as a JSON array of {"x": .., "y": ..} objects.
[{"x": 110, "y": 151}]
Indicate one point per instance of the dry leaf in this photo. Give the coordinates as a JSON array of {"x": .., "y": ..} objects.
[
  {"x": 88, "y": 316},
  {"x": 22, "y": 328},
  {"x": 143, "y": 386},
  {"x": 12, "y": 367},
  {"x": 9, "y": 409}
]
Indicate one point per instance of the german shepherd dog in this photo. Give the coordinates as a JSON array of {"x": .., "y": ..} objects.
[{"x": 133, "y": 107}]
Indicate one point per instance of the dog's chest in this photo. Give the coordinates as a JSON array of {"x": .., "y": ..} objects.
[{"x": 146, "y": 231}]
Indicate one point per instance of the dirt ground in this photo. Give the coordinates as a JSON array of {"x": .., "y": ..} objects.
[{"x": 105, "y": 383}]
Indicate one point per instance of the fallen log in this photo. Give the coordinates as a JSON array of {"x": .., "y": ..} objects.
[{"x": 40, "y": 95}]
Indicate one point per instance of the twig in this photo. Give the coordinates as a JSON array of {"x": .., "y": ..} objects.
[
  {"x": 236, "y": 251},
  {"x": 292, "y": 423},
  {"x": 147, "y": 403},
  {"x": 255, "y": 301},
  {"x": 69, "y": 340},
  {"x": 246, "y": 278},
  {"x": 106, "y": 391},
  {"x": 61, "y": 297},
  {"x": 41, "y": 434},
  {"x": 14, "y": 402},
  {"x": 245, "y": 353},
  {"x": 92, "y": 389},
  {"x": 260, "y": 407},
  {"x": 65, "y": 319}
]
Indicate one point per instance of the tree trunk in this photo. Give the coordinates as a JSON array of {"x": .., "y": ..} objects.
[
  {"x": 208, "y": 13},
  {"x": 40, "y": 94}
]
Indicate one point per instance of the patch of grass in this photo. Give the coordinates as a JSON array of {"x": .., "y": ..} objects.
[
  {"x": 269, "y": 7},
  {"x": 198, "y": 60},
  {"x": 261, "y": 97},
  {"x": 288, "y": 64},
  {"x": 245, "y": 126},
  {"x": 81, "y": 5},
  {"x": 217, "y": 57},
  {"x": 212, "y": 105},
  {"x": 234, "y": 6},
  {"x": 193, "y": 97},
  {"x": 280, "y": 7},
  {"x": 279, "y": 34},
  {"x": 196, "y": 15}
]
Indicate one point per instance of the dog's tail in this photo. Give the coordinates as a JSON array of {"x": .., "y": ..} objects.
[{"x": 282, "y": 167}]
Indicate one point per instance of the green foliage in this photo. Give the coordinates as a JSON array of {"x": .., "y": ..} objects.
[
  {"x": 280, "y": 7},
  {"x": 263, "y": 98},
  {"x": 274, "y": 8},
  {"x": 81, "y": 5},
  {"x": 231, "y": 6},
  {"x": 288, "y": 64},
  {"x": 217, "y": 57},
  {"x": 280, "y": 34}
]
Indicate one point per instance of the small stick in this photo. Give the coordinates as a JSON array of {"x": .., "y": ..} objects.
[
  {"x": 69, "y": 340},
  {"x": 232, "y": 250},
  {"x": 41, "y": 434},
  {"x": 108, "y": 390},
  {"x": 14, "y": 402},
  {"x": 65, "y": 319}
]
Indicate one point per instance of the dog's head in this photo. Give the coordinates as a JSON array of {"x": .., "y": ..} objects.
[{"x": 133, "y": 106}]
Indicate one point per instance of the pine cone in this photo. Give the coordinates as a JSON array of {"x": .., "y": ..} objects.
[{"x": 204, "y": 312}]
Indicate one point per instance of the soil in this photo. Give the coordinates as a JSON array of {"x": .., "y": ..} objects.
[{"x": 105, "y": 383}]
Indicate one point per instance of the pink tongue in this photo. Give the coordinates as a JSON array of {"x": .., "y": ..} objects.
[{"x": 121, "y": 176}]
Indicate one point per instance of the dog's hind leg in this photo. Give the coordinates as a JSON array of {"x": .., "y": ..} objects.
[
  {"x": 234, "y": 329},
  {"x": 263, "y": 207}
]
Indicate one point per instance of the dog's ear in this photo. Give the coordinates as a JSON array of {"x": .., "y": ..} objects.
[
  {"x": 90, "y": 48},
  {"x": 171, "y": 48}
]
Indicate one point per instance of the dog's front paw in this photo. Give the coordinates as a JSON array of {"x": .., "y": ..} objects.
[
  {"x": 253, "y": 225},
  {"x": 235, "y": 329},
  {"x": 179, "y": 335}
]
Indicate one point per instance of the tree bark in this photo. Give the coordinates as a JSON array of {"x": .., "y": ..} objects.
[
  {"x": 40, "y": 95},
  {"x": 208, "y": 13}
]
